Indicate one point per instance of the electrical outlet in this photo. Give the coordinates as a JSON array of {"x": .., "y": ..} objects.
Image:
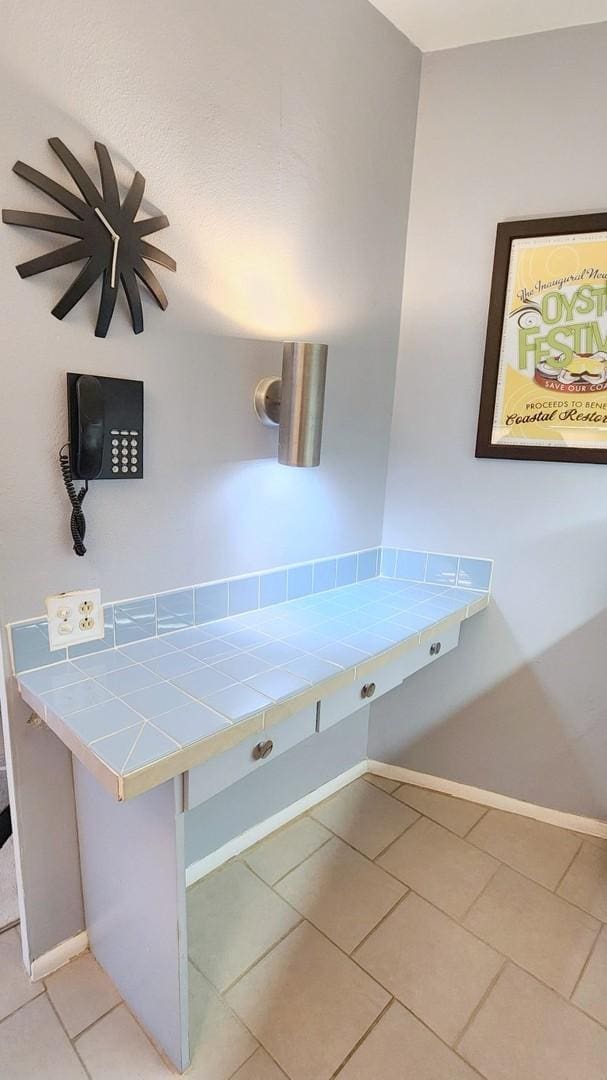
[{"x": 74, "y": 617}]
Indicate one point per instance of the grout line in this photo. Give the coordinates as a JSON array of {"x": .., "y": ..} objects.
[
  {"x": 70, "y": 1041},
  {"x": 477, "y": 898},
  {"x": 473, "y": 826},
  {"x": 364, "y": 940},
  {"x": 400, "y": 835},
  {"x": 297, "y": 865},
  {"x": 22, "y": 1006},
  {"x": 107, "y": 1012},
  {"x": 246, "y": 1060},
  {"x": 567, "y": 869},
  {"x": 278, "y": 941},
  {"x": 363, "y": 1037},
  {"x": 478, "y": 1007},
  {"x": 585, "y": 965}
]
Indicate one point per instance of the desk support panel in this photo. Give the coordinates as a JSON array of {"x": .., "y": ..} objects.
[{"x": 133, "y": 882}]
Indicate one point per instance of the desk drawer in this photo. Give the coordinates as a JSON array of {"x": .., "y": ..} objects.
[
  {"x": 360, "y": 693},
  {"x": 206, "y": 780}
]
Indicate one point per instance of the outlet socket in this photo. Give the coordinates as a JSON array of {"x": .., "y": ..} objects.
[{"x": 74, "y": 617}]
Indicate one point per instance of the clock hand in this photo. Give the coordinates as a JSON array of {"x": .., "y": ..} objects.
[
  {"x": 116, "y": 240},
  {"x": 114, "y": 259},
  {"x": 105, "y": 222}
]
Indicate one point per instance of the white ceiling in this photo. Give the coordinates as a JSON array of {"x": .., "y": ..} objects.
[{"x": 444, "y": 24}]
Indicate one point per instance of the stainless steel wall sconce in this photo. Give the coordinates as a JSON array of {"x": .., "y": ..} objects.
[{"x": 295, "y": 402}]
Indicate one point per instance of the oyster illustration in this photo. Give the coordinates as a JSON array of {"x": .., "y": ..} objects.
[{"x": 577, "y": 373}]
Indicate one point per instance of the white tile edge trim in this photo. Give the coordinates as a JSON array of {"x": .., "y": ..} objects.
[
  {"x": 61, "y": 954},
  {"x": 560, "y": 818},
  {"x": 199, "y": 869}
]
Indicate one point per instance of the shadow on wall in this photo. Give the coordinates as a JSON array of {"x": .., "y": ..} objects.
[{"x": 538, "y": 734}]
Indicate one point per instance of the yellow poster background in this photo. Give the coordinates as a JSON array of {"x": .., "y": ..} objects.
[{"x": 573, "y": 413}]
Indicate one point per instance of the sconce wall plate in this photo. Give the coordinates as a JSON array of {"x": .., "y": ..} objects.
[{"x": 295, "y": 402}]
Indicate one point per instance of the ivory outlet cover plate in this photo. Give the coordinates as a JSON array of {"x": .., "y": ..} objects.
[{"x": 74, "y": 617}]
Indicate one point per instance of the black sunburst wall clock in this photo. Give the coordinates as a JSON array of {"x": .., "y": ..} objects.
[{"x": 108, "y": 237}]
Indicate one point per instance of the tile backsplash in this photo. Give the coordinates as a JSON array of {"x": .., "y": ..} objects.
[{"x": 130, "y": 621}]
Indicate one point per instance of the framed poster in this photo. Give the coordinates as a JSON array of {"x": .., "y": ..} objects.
[{"x": 544, "y": 389}]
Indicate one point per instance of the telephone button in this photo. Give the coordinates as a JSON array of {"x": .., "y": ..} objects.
[
  {"x": 114, "y": 442},
  {"x": 115, "y": 468},
  {"x": 133, "y": 432},
  {"x": 133, "y": 468},
  {"x": 114, "y": 431},
  {"x": 125, "y": 442},
  {"x": 133, "y": 442},
  {"x": 124, "y": 432},
  {"x": 124, "y": 468}
]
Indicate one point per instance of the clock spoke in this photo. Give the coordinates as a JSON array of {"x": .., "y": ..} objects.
[
  {"x": 133, "y": 298},
  {"x": 80, "y": 285},
  {"x": 60, "y": 194},
  {"x": 106, "y": 305},
  {"x": 78, "y": 174},
  {"x": 150, "y": 225},
  {"x": 109, "y": 184},
  {"x": 133, "y": 197},
  {"x": 61, "y": 257},
  {"x": 154, "y": 254},
  {"x": 151, "y": 282},
  {"x": 45, "y": 222}
]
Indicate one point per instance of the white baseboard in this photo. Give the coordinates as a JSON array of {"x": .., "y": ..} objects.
[
  {"x": 590, "y": 826},
  {"x": 55, "y": 958},
  {"x": 202, "y": 867}
]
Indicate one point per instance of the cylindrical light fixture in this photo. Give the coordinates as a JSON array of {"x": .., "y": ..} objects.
[{"x": 296, "y": 402}]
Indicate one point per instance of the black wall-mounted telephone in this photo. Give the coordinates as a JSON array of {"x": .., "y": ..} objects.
[{"x": 105, "y": 418}]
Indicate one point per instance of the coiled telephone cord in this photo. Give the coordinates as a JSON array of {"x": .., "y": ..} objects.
[{"x": 77, "y": 520}]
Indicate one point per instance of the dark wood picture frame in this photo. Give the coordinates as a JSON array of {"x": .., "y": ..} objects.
[{"x": 507, "y": 231}]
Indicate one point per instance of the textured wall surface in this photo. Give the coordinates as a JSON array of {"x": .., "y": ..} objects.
[
  {"x": 277, "y": 135},
  {"x": 520, "y": 708}
]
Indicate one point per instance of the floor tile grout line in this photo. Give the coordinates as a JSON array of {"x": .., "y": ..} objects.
[
  {"x": 85, "y": 1030},
  {"x": 363, "y": 1038},
  {"x": 462, "y": 836},
  {"x": 465, "y": 835},
  {"x": 462, "y": 918},
  {"x": 273, "y": 884},
  {"x": 283, "y": 937},
  {"x": 70, "y": 1041},
  {"x": 585, "y": 964},
  {"x": 567, "y": 869},
  {"x": 377, "y": 925},
  {"x": 400, "y": 835},
  {"x": 246, "y": 1060},
  {"x": 22, "y": 1006},
  {"x": 478, "y": 1007}
]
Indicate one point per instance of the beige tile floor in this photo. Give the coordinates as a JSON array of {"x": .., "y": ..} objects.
[{"x": 392, "y": 933}]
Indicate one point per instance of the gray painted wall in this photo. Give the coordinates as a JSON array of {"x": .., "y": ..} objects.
[
  {"x": 506, "y": 130},
  {"x": 277, "y": 136}
]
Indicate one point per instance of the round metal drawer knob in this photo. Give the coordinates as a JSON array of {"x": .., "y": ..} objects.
[
  {"x": 263, "y": 750},
  {"x": 368, "y": 690},
  {"x": 435, "y": 648}
]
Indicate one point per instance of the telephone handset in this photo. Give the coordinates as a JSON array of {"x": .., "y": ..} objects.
[{"x": 105, "y": 419}]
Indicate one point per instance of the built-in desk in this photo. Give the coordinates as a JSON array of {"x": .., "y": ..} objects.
[{"x": 160, "y": 726}]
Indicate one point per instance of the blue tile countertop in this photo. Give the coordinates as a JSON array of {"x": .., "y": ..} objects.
[{"x": 144, "y": 712}]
